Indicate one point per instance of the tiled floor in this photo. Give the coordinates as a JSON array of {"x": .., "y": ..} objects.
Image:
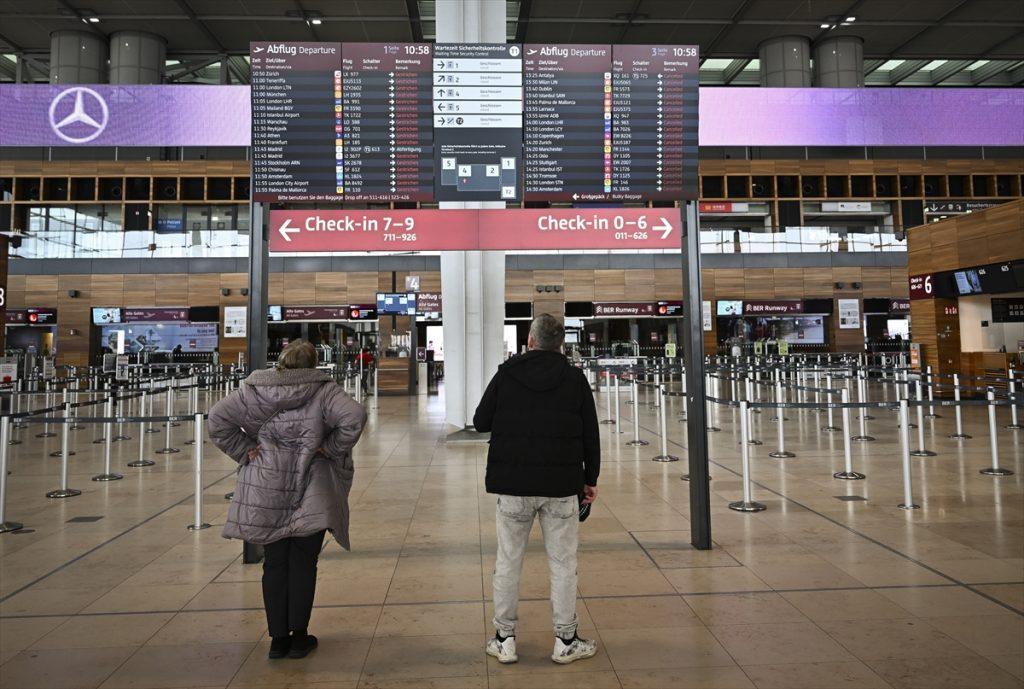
[{"x": 814, "y": 592}]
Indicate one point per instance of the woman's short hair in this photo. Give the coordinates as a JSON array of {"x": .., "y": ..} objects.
[{"x": 298, "y": 354}]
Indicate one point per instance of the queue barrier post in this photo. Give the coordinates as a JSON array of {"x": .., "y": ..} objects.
[
  {"x": 607, "y": 394},
  {"x": 957, "y": 415},
  {"x": 920, "y": 451},
  {"x": 663, "y": 427},
  {"x": 193, "y": 408},
  {"x": 995, "y": 469},
  {"x": 1014, "y": 425},
  {"x": 5, "y": 433},
  {"x": 152, "y": 401},
  {"x": 847, "y": 474},
  {"x": 747, "y": 504},
  {"x": 169, "y": 405},
  {"x": 197, "y": 454},
  {"x": 119, "y": 411},
  {"x": 142, "y": 461},
  {"x": 781, "y": 452},
  {"x": 108, "y": 439},
  {"x": 931, "y": 394},
  {"x": 618, "y": 426},
  {"x": 65, "y": 437},
  {"x": 636, "y": 417},
  {"x": 829, "y": 426},
  {"x": 47, "y": 401},
  {"x": 908, "y": 487},
  {"x": 863, "y": 417},
  {"x": 750, "y": 412},
  {"x": 64, "y": 431}
]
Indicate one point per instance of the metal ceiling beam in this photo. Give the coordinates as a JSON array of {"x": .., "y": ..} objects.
[
  {"x": 412, "y": 7},
  {"x": 82, "y": 18},
  {"x": 996, "y": 46},
  {"x": 992, "y": 69},
  {"x": 525, "y": 7},
  {"x": 948, "y": 70},
  {"x": 630, "y": 17},
  {"x": 11, "y": 45},
  {"x": 1016, "y": 75},
  {"x": 872, "y": 65},
  {"x": 733, "y": 20},
  {"x": 305, "y": 18},
  {"x": 938, "y": 22},
  {"x": 733, "y": 70},
  {"x": 183, "y": 70},
  {"x": 908, "y": 69},
  {"x": 192, "y": 16},
  {"x": 850, "y": 12}
]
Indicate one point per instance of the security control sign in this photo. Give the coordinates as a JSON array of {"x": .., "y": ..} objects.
[{"x": 468, "y": 230}]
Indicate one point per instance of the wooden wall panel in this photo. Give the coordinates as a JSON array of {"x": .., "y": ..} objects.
[
  {"x": 789, "y": 283},
  {"x": 362, "y": 288},
  {"x": 41, "y": 290},
  {"x": 579, "y": 285},
  {"x": 759, "y": 283},
  {"x": 556, "y": 307},
  {"x": 729, "y": 283},
  {"x": 640, "y": 285},
  {"x": 876, "y": 282},
  {"x": 818, "y": 282},
  {"x": 610, "y": 285},
  {"x": 299, "y": 289},
  {"x": 668, "y": 284},
  {"x": 203, "y": 289},
  {"x": 235, "y": 282},
  {"x": 139, "y": 290},
  {"x": 519, "y": 285},
  {"x": 171, "y": 290},
  {"x": 331, "y": 288}
]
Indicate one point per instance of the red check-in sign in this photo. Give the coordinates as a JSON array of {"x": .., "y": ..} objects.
[{"x": 468, "y": 230}]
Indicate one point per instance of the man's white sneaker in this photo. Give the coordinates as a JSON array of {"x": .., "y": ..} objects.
[
  {"x": 504, "y": 651},
  {"x": 577, "y": 649}
]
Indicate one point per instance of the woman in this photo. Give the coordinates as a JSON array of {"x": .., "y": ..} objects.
[{"x": 291, "y": 429}]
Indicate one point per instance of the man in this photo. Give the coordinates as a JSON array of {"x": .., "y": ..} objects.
[
  {"x": 365, "y": 361},
  {"x": 544, "y": 458}
]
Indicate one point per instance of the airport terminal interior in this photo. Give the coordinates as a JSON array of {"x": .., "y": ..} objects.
[{"x": 783, "y": 241}]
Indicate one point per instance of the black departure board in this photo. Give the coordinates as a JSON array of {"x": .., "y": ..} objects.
[
  {"x": 654, "y": 122},
  {"x": 567, "y": 129},
  {"x": 478, "y": 121},
  {"x": 408, "y": 122},
  {"x": 296, "y": 120},
  {"x": 386, "y": 121}
]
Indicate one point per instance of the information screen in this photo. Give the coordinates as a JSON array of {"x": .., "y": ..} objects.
[
  {"x": 296, "y": 121},
  {"x": 478, "y": 121},
  {"x": 567, "y": 123},
  {"x": 654, "y": 122},
  {"x": 386, "y": 122}
]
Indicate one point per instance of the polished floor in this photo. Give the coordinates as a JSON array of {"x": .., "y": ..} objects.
[{"x": 110, "y": 590}]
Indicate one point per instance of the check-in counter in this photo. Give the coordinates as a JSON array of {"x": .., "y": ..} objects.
[{"x": 393, "y": 376}]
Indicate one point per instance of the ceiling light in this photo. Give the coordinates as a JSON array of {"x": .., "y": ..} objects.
[
  {"x": 826, "y": 26},
  {"x": 851, "y": 19},
  {"x": 316, "y": 22},
  {"x": 94, "y": 20}
]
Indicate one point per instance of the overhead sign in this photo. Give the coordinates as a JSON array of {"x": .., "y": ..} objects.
[
  {"x": 487, "y": 230},
  {"x": 31, "y": 316},
  {"x": 315, "y": 313},
  {"x": 899, "y": 306},
  {"x": 157, "y": 315},
  {"x": 758, "y": 308},
  {"x": 921, "y": 286},
  {"x": 624, "y": 309},
  {"x": 1008, "y": 310},
  {"x": 962, "y": 206}
]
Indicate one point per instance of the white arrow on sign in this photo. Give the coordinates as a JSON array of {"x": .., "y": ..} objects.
[
  {"x": 666, "y": 227},
  {"x": 287, "y": 230}
]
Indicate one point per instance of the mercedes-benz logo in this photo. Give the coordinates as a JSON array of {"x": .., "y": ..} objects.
[{"x": 78, "y": 115}]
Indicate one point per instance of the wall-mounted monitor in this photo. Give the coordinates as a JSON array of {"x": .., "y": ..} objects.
[
  {"x": 274, "y": 314},
  {"x": 204, "y": 314},
  {"x": 396, "y": 303},
  {"x": 518, "y": 310},
  {"x": 729, "y": 307},
  {"x": 579, "y": 309},
  {"x": 967, "y": 282},
  {"x": 102, "y": 315},
  {"x": 997, "y": 278}
]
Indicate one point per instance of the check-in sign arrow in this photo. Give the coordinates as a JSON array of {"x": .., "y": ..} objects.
[
  {"x": 666, "y": 228},
  {"x": 287, "y": 230}
]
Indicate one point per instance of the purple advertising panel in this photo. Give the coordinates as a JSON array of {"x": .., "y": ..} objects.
[
  {"x": 157, "y": 315},
  {"x": 103, "y": 115},
  {"x": 192, "y": 115}
]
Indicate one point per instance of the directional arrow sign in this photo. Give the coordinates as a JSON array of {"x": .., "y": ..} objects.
[{"x": 287, "y": 230}]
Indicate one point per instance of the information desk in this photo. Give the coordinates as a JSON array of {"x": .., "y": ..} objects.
[{"x": 393, "y": 376}]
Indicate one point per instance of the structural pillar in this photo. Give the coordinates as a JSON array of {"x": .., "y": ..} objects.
[
  {"x": 839, "y": 62},
  {"x": 472, "y": 282},
  {"x": 785, "y": 61},
  {"x": 137, "y": 57},
  {"x": 77, "y": 57}
]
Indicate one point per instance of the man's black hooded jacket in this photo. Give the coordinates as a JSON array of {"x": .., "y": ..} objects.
[{"x": 545, "y": 439}]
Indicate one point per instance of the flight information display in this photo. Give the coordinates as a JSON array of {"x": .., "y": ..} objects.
[
  {"x": 654, "y": 122},
  {"x": 296, "y": 117},
  {"x": 478, "y": 121},
  {"x": 409, "y": 122},
  {"x": 568, "y": 124},
  {"x": 388, "y": 137}
]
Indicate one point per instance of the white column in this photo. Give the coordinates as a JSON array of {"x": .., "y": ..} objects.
[{"x": 472, "y": 282}]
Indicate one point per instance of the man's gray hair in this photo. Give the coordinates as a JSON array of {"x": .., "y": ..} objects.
[{"x": 547, "y": 332}]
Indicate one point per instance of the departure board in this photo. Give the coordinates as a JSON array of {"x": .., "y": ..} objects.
[
  {"x": 296, "y": 116},
  {"x": 478, "y": 121},
  {"x": 386, "y": 122},
  {"x": 567, "y": 122},
  {"x": 413, "y": 122},
  {"x": 654, "y": 122}
]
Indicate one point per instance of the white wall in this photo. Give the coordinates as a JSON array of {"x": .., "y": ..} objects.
[{"x": 974, "y": 338}]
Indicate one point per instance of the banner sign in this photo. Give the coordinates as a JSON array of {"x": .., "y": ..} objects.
[
  {"x": 428, "y": 302},
  {"x": 921, "y": 286},
  {"x": 31, "y": 316},
  {"x": 470, "y": 230},
  {"x": 899, "y": 306},
  {"x": 758, "y": 308},
  {"x": 154, "y": 315},
  {"x": 624, "y": 309},
  {"x": 315, "y": 313},
  {"x": 190, "y": 115}
]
